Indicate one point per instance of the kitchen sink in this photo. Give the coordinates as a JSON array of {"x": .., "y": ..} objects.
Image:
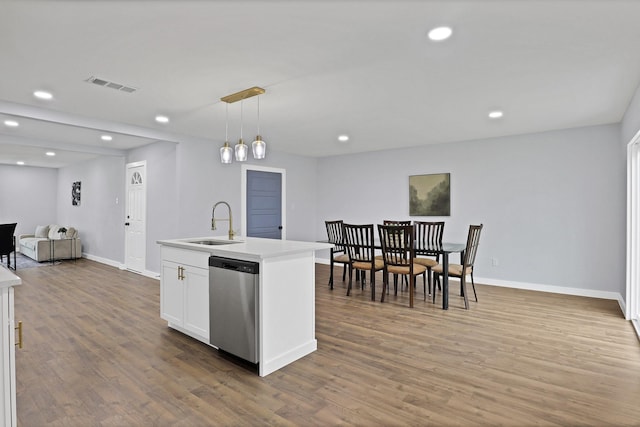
[{"x": 212, "y": 242}]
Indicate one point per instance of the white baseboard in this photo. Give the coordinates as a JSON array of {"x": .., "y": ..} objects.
[
  {"x": 593, "y": 293},
  {"x": 636, "y": 325},
  {"x": 538, "y": 287},
  {"x": 146, "y": 273}
]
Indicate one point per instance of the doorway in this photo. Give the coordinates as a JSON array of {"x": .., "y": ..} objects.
[
  {"x": 135, "y": 247},
  {"x": 632, "y": 309},
  {"x": 263, "y": 202}
]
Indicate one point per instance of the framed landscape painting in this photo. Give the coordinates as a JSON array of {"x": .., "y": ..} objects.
[{"x": 430, "y": 195}]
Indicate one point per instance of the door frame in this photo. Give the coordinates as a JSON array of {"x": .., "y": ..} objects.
[
  {"x": 126, "y": 209},
  {"x": 632, "y": 300},
  {"x": 243, "y": 195}
]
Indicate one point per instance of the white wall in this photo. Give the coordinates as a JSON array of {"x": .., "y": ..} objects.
[
  {"x": 98, "y": 218},
  {"x": 631, "y": 120},
  {"x": 29, "y": 197},
  {"x": 553, "y": 204},
  {"x": 187, "y": 179}
]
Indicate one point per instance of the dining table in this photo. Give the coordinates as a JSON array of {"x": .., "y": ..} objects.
[{"x": 443, "y": 249}]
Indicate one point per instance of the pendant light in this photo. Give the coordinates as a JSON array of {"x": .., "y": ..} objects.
[
  {"x": 226, "y": 152},
  {"x": 259, "y": 146},
  {"x": 241, "y": 147}
]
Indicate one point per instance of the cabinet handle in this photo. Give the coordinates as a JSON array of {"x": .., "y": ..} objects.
[
  {"x": 180, "y": 273},
  {"x": 19, "y": 328}
]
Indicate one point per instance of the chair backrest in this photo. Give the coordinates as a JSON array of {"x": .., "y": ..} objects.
[
  {"x": 393, "y": 222},
  {"x": 359, "y": 240},
  {"x": 472, "y": 245},
  {"x": 7, "y": 241},
  {"x": 334, "y": 234},
  {"x": 397, "y": 244},
  {"x": 428, "y": 235}
]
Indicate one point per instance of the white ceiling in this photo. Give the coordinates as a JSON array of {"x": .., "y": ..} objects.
[{"x": 364, "y": 68}]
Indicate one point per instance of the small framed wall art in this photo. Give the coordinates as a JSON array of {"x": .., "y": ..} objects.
[
  {"x": 75, "y": 193},
  {"x": 430, "y": 195}
]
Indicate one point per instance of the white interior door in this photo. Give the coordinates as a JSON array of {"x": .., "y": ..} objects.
[{"x": 136, "y": 217}]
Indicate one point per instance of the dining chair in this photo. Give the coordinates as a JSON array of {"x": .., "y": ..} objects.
[
  {"x": 428, "y": 235},
  {"x": 395, "y": 222},
  {"x": 360, "y": 243},
  {"x": 398, "y": 253},
  {"x": 465, "y": 269},
  {"x": 339, "y": 251},
  {"x": 8, "y": 243}
]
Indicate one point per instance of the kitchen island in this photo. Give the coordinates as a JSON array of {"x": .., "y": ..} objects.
[{"x": 285, "y": 321}]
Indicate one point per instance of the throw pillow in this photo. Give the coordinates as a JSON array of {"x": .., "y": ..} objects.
[
  {"x": 42, "y": 231},
  {"x": 53, "y": 232}
]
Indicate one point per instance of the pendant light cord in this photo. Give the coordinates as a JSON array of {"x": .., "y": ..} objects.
[
  {"x": 226, "y": 125},
  {"x": 241, "y": 103},
  {"x": 258, "y": 115}
]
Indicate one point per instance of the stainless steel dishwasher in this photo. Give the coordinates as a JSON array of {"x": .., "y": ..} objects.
[{"x": 233, "y": 306}]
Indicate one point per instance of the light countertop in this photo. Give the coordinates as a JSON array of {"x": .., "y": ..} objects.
[
  {"x": 254, "y": 247},
  {"x": 7, "y": 278}
]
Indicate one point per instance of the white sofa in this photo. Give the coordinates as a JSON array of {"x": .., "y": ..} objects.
[{"x": 48, "y": 244}]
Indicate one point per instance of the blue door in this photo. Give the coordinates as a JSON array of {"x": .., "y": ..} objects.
[{"x": 264, "y": 204}]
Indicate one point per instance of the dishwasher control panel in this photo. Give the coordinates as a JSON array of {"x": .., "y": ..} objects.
[{"x": 238, "y": 265}]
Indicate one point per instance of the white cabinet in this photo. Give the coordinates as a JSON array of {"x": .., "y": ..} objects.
[
  {"x": 184, "y": 291},
  {"x": 8, "y": 354}
]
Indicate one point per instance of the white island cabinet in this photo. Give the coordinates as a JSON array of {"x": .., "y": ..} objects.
[
  {"x": 286, "y": 292},
  {"x": 8, "y": 358},
  {"x": 184, "y": 296}
]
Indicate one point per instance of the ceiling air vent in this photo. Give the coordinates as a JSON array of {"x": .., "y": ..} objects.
[{"x": 112, "y": 85}]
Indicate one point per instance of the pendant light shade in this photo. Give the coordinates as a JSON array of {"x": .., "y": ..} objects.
[
  {"x": 226, "y": 153},
  {"x": 241, "y": 147},
  {"x": 241, "y": 151},
  {"x": 259, "y": 146}
]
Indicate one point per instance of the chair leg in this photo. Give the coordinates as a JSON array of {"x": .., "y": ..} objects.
[
  {"x": 344, "y": 272},
  {"x": 424, "y": 285},
  {"x": 350, "y": 280},
  {"x": 473, "y": 285},
  {"x": 373, "y": 285},
  {"x": 436, "y": 276},
  {"x": 385, "y": 284},
  {"x": 331, "y": 273},
  {"x": 463, "y": 285}
]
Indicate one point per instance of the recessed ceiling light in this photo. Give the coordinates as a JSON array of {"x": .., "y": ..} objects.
[
  {"x": 106, "y": 137},
  {"x": 20, "y": 162},
  {"x": 11, "y": 123},
  {"x": 162, "y": 119},
  {"x": 440, "y": 33},
  {"x": 50, "y": 153},
  {"x": 42, "y": 94},
  {"x": 343, "y": 138},
  {"x": 496, "y": 114}
]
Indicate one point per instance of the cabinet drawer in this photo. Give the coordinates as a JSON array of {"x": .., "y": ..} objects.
[{"x": 185, "y": 256}]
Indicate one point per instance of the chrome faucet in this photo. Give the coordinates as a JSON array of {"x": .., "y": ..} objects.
[{"x": 230, "y": 219}]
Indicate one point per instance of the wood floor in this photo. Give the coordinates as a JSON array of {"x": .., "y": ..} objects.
[{"x": 97, "y": 353}]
